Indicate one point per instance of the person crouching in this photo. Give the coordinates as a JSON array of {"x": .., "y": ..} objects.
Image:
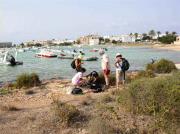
[{"x": 78, "y": 80}]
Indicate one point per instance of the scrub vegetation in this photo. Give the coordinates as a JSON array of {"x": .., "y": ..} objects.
[{"x": 27, "y": 80}]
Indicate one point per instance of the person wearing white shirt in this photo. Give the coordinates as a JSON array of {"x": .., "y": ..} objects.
[
  {"x": 120, "y": 75},
  {"x": 105, "y": 64}
]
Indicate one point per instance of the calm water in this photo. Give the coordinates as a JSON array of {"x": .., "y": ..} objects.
[{"x": 52, "y": 68}]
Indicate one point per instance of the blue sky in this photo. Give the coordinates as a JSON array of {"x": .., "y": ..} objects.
[{"x": 22, "y": 20}]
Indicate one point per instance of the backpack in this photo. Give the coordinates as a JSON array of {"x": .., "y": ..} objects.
[
  {"x": 125, "y": 65},
  {"x": 73, "y": 64},
  {"x": 77, "y": 91}
]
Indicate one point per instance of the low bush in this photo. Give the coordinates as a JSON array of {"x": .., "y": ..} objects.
[
  {"x": 64, "y": 113},
  {"x": 162, "y": 66},
  {"x": 145, "y": 74},
  {"x": 4, "y": 91},
  {"x": 27, "y": 80},
  {"x": 159, "y": 97}
]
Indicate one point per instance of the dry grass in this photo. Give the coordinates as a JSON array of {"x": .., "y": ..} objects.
[{"x": 9, "y": 108}]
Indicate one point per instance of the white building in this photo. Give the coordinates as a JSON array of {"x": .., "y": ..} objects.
[
  {"x": 5, "y": 44},
  {"x": 123, "y": 38},
  {"x": 177, "y": 42},
  {"x": 94, "y": 41}
]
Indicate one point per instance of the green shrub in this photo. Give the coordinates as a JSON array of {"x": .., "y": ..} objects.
[
  {"x": 65, "y": 114},
  {"x": 4, "y": 91},
  {"x": 159, "y": 97},
  {"x": 162, "y": 66},
  {"x": 27, "y": 80},
  {"x": 147, "y": 74}
]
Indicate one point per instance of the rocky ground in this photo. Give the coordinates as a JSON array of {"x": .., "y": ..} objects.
[{"x": 30, "y": 111}]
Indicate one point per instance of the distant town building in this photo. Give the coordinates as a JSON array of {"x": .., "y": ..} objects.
[
  {"x": 5, "y": 44},
  {"x": 177, "y": 42},
  {"x": 123, "y": 38},
  {"x": 89, "y": 40},
  {"x": 47, "y": 42}
]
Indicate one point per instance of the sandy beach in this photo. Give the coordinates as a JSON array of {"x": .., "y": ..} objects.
[{"x": 167, "y": 47}]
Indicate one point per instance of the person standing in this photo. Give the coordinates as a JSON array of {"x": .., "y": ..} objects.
[
  {"x": 120, "y": 73},
  {"x": 105, "y": 64}
]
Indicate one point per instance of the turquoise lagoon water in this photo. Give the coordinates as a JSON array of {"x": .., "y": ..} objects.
[{"x": 60, "y": 68}]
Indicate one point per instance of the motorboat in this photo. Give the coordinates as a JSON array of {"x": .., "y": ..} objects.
[
  {"x": 90, "y": 59},
  {"x": 7, "y": 58},
  {"x": 63, "y": 56},
  {"x": 46, "y": 54},
  {"x": 94, "y": 50}
]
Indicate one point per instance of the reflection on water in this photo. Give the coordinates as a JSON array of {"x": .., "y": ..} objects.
[{"x": 50, "y": 68}]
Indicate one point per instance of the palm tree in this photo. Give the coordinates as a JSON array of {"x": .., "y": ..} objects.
[
  {"x": 152, "y": 33},
  {"x": 167, "y": 32},
  {"x": 174, "y": 33},
  {"x": 158, "y": 33}
]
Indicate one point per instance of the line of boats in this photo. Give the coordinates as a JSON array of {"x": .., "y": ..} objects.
[
  {"x": 9, "y": 56},
  {"x": 63, "y": 54}
]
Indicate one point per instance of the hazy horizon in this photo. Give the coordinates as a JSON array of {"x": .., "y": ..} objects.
[{"x": 31, "y": 19}]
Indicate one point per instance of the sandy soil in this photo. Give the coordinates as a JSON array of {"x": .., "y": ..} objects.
[
  {"x": 33, "y": 113},
  {"x": 167, "y": 47}
]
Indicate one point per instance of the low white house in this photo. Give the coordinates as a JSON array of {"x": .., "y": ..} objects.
[
  {"x": 177, "y": 42},
  {"x": 128, "y": 38}
]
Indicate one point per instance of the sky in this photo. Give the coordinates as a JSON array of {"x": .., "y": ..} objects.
[{"x": 22, "y": 20}]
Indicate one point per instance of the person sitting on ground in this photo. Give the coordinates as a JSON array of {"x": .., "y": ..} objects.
[
  {"x": 105, "y": 64},
  {"x": 78, "y": 80},
  {"x": 93, "y": 82},
  {"x": 120, "y": 74}
]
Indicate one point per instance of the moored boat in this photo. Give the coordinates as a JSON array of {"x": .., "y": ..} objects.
[
  {"x": 94, "y": 50},
  {"x": 46, "y": 54},
  {"x": 90, "y": 59},
  {"x": 6, "y": 58}
]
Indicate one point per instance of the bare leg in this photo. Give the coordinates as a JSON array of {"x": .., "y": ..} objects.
[
  {"x": 106, "y": 77},
  {"x": 117, "y": 78}
]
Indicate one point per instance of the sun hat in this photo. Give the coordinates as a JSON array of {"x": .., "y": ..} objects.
[{"x": 118, "y": 54}]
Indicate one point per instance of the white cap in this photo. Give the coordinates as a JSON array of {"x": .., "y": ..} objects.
[{"x": 118, "y": 54}]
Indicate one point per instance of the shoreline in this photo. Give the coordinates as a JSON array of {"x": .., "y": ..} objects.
[
  {"x": 3, "y": 84},
  {"x": 166, "y": 47}
]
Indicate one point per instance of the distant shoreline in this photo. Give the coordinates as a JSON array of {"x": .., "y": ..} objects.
[{"x": 167, "y": 47}]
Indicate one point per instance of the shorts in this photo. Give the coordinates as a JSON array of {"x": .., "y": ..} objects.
[
  {"x": 106, "y": 72},
  {"x": 120, "y": 75}
]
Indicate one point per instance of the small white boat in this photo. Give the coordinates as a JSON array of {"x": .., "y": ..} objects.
[
  {"x": 21, "y": 50},
  {"x": 6, "y": 58},
  {"x": 46, "y": 54}
]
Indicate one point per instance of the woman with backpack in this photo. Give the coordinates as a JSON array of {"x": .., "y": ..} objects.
[{"x": 122, "y": 65}]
